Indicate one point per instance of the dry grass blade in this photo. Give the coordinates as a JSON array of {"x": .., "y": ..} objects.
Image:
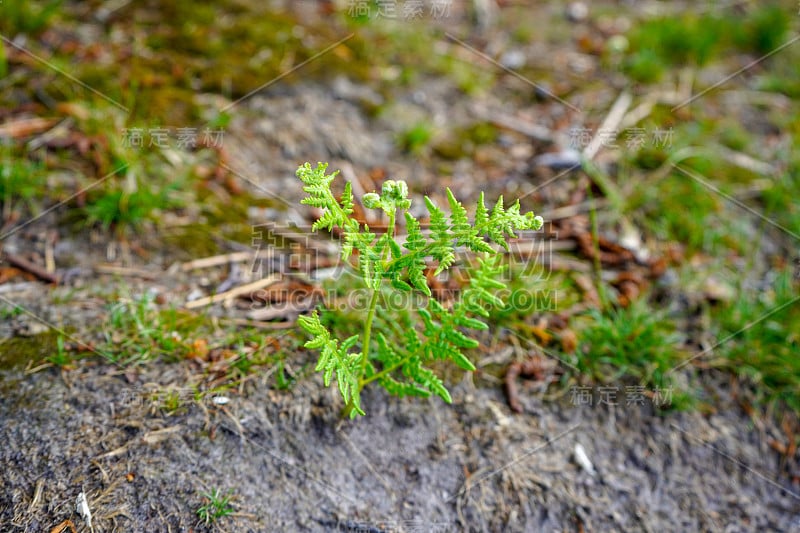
[
  {"x": 233, "y": 293},
  {"x": 216, "y": 260},
  {"x": 610, "y": 124}
]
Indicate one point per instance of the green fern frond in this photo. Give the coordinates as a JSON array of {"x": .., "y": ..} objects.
[
  {"x": 318, "y": 187},
  {"x": 414, "y": 370},
  {"x": 414, "y": 262},
  {"x": 334, "y": 358},
  {"x": 347, "y": 198},
  {"x": 459, "y": 221},
  {"x": 402, "y": 366}
]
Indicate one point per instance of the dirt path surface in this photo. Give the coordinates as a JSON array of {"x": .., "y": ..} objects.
[{"x": 408, "y": 466}]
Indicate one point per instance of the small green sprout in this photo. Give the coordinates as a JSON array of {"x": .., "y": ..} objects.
[{"x": 217, "y": 506}]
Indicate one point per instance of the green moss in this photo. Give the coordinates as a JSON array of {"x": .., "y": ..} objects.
[
  {"x": 24, "y": 16},
  {"x": 687, "y": 38},
  {"x": 679, "y": 208},
  {"x": 733, "y": 135},
  {"x": 480, "y": 133},
  {"x": 194, "y": 240},
  {"x": 18, "y": 352},
  {"x": 764, "y": 29},
  {"x": 462, "y": 142},
  {"x": 788, "y": 85},
  {"x": 137, "y": 330},
  {"x": 780, "y": 200},
  {"x": 222, "y": 48},
  {"x": 645, "y": 66},
  {"x": 695, "y": 39},
  {"x": 764, "y": 343},
  {"x": 22, "y": 181},
  {"x": 416, "y": 138},
  {"x": 3, "y": 61},
  {"x": 650, "y": 157},
  {"x": 122, "y": 210}
]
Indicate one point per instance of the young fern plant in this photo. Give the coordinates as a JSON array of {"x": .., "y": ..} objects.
[{"x": 402, "y": 367}]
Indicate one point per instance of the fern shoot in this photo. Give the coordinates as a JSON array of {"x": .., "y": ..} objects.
[{"x": 400, "y": 362}]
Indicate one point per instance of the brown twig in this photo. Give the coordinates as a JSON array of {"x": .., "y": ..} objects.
[
  {"x": 125, "y": 271},
  {"x": 529, "y": 129},
  {"x": 27, "y": 266}
]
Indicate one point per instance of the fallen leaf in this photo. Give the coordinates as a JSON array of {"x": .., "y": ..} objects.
[
  {"x": 569, "y": 341},
  {"x": 63, "y": 526},
  {"x": 74, "y": 109},
  {"x": 199, "y": 349},
  {"x": 584, "y": 282},
  {"x": 26, "y": 127},
  {"x": 9, "y": 273},
  {"x": 541, "y": 334}
]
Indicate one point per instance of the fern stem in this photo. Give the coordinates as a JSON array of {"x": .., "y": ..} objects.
[
  {"x": 390, "y": 227},
  {"x": 363, "y": 383},
  {"x": 373, "y": 305}
]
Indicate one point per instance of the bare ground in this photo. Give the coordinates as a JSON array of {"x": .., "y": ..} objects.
[{"x": 407, "y": 466}]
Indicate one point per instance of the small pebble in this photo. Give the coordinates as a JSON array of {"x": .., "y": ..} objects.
[
  {"x": 513, "y": 59},
  {"x": 583, "y": 460},
  {"x": 32, "y": 329},
  {"x": 194, "y": 295},
  {"x": 562, "y": 160},
  {"x": 617, "y": 44},
  {"x": 577, "y": 11}
]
